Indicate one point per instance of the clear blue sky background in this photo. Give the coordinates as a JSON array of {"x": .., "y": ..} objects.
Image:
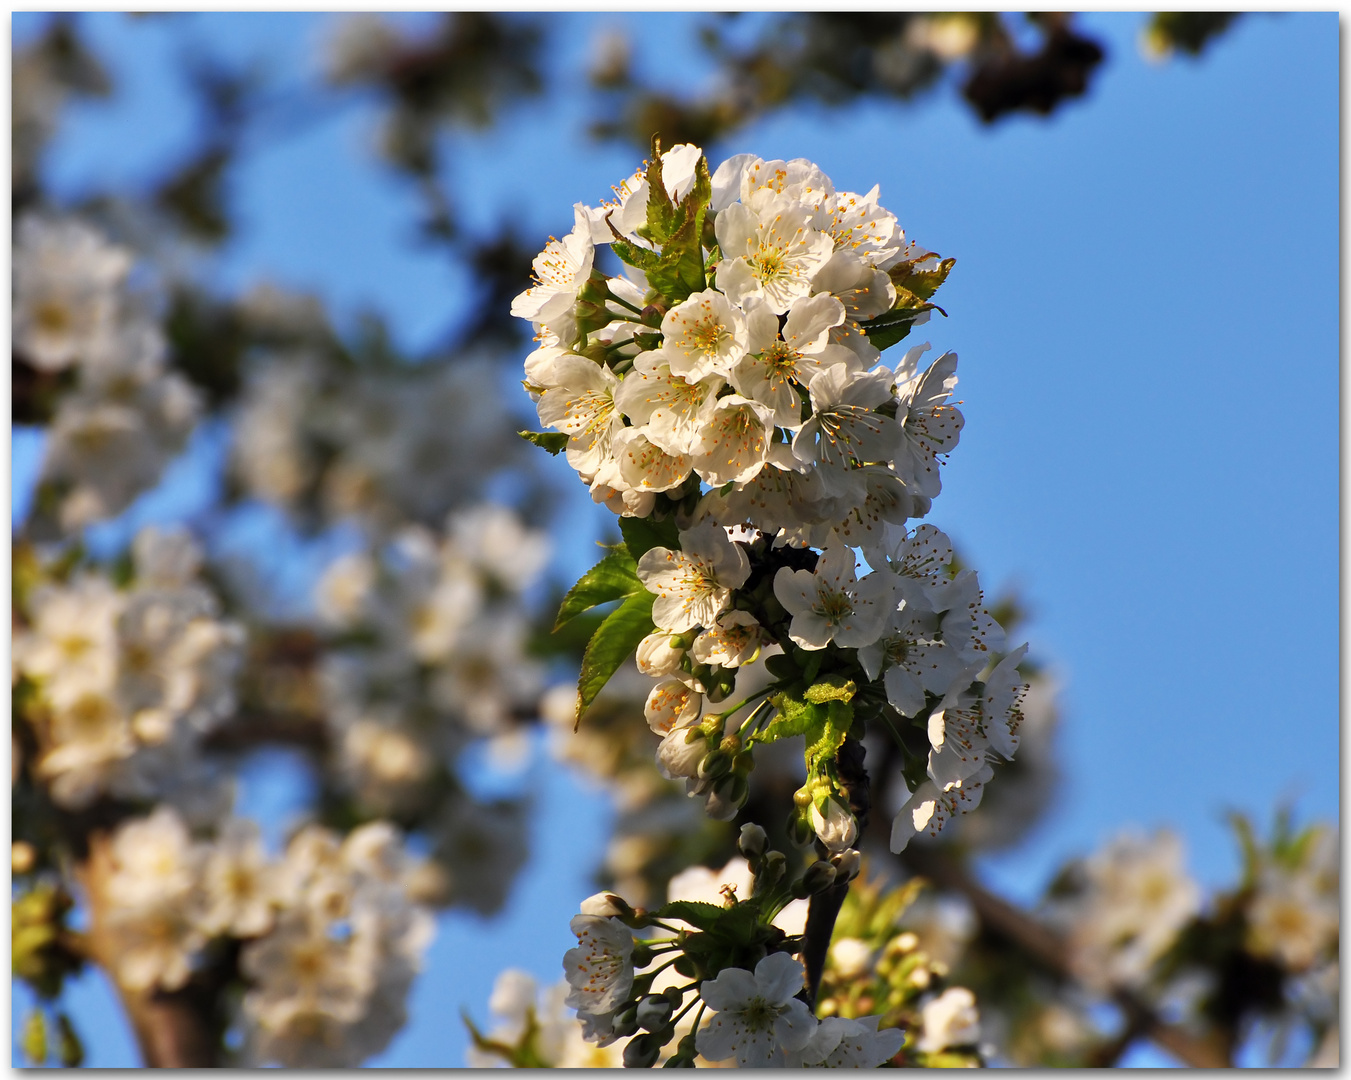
[{"x": 1146, "y": 307}]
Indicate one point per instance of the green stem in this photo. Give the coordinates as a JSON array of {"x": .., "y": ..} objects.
[
  {"x": 624, "y": 303},
  {"x": 696, "y": 1000}
]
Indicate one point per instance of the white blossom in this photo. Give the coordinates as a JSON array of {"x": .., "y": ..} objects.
[
  {"x": 733, "y": 640},
  {"x": 830, "y": 604},
  {"x": 693, "y": 585},
  {"x": 238, "y": 883},
  {"x": 1138, "y": 895},
  {"x": 600, "y": 969},
  {"x": 770, "y": 253},
  {"x": 67, "y": 290},
  {"x": 772, "y": 373},
  {"x": 930, "y": 807},
  {"x": 951, "y": 1019},
  {"x": 928, "y": 425},
  {"x": 755, "y": 1017},
  {"x": 735, "y": 443},
  {"x": 561, "y": 269},
  {"x": 658, "y": 656},
  {"x": 840, "y": 1043},
  {"x": 706, "y": 335}
]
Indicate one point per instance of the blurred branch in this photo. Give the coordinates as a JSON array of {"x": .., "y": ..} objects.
[
  {"x": 1041, "y": 945},
  {"x": 172, "y": 1029}
]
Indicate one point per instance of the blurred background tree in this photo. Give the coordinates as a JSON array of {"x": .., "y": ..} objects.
[{"x": 367, "y": 545}]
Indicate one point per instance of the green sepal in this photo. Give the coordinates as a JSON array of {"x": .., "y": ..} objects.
[
  {"x": 611, "y": 645},
  {"x": 614, "y": 577},
  {"x": 553, "y": 441},
  {"x": 641, "y": 535}
]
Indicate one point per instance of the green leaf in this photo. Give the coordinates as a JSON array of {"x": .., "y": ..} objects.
[
  {"x": 681, "y": 271},
  {"x": 70, "y": 1049},
  {"x": 825, "y": 743},
  {"x": 641, "y": 535},
  {"x": 700, "y": 915},
  {"x": 649, "y": 262},
  {"x": 611, "y": 645},
  {"x": 553, "y": 441},
  {"x": 915, "y": 286},
  {"x": 892, "y": 326},
  {"x": 795, "y": 718},
  {"x": 831, "y": 688},
  {"x": 34, "y": 1038},
  {"x": 661, "y": 212},
  {"x": 615, "y": 576}
]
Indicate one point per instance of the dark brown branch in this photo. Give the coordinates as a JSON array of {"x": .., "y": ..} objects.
[{"x": 824, "y": 907}]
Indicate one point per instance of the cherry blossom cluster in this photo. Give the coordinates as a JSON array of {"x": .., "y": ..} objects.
[
  {"x": 330, "y": 940},
  {"x": 761, "y": 385},
  {"x": 429, "y": 649},
  {"x": 1127, "y": 909},
  {"x": 79, "y": 325},
  {"x": 715, "y": 983},
  {"x": 120, "y": 685},
  {"x": 740, "y": 349},
  {"x": 384, "y": 446}
]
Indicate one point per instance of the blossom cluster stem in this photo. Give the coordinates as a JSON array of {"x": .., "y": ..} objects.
[{"x": 173, "y": 1030}]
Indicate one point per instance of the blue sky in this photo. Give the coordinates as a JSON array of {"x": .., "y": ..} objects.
[{"x": 1146, "y": 308}]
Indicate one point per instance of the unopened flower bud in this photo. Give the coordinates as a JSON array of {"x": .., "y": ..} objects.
[
  {"x": 596, "y": 350},
  {"x": 653, "y": 314},
  {"x": 799, "y": 829},
  {"x": 906, "y": 942},
  {"x": 626, "y": 1021},
  {"x": 658, "y": 656},
  {"x": 817, "y": 878},
  {"x": 607, "y": 905},
  {"x": 596, "y": 289},
  {"x": 718, "y": 763},
  {"x": 752, "y": 841},
  {"x": 771, "y": 870},
  {"x": 846, "y": 865},
  {"x": 642, "y": 954},
  {"x": 642, "y": 1051},
  {"x": 721, "y": 682},
  {"x": 726, "y": 797},
  {"x": 835, "y": 828},
  {"x": 653, "y": 1012}
]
